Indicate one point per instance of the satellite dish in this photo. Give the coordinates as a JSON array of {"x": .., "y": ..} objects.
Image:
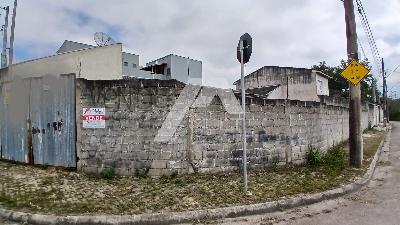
[{"x": 103, "y": 39}]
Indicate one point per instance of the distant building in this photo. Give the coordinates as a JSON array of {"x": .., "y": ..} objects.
[
  {"x": 176, "y": 67},
  {"x": 275, "y": 82},
  {"x": 168, "y": 67},
  {"x": 69, "y": 46},
  {"x": 93, "y": 63}
]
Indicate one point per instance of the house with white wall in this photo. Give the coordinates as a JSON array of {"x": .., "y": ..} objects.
[
  {"x": 287, "y": 83},
  {"x": 168, "y": 67},
  {"x": 176, "y": 67},
  {"x": 92, "y": 63}
]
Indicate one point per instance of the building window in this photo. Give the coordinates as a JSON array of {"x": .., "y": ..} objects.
[
  {"x": 320, "y": 86},
  {"x": 125, "y": 63},
  {"x": 168, "y": 71},
  {"x": 133, "y": 65}
]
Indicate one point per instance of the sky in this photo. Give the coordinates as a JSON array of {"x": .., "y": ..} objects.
[{"x": 285, "y": 33}]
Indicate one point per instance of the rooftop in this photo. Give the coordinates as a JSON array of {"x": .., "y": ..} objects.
[
  {"x": 86, "y": 46},
  {"x": 175, "y": 56},
  {"x": 290, "y": 68}
]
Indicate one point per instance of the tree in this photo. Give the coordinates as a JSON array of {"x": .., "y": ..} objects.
[
  {"x": 394, "y": 109},
  {"x": 338, "y": 86}
]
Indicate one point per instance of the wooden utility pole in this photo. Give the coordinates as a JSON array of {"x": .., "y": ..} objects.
[
  {"x": 384, "y": 94},
  {"x": 386, "y": 100},
  {"x": 355, "y": 135},
  {"x": 373, "y": 90}
]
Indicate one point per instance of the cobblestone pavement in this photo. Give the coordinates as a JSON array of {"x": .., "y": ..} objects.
[{"x": 4, "y": 222}]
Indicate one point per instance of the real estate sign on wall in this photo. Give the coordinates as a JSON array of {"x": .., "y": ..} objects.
[{"x": 94, "y": 118}]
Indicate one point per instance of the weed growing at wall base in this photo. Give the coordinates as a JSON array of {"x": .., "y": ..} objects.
[
  {"x": 107, "y": 173},
  {"x": 332, "y": 162},
  {"x": 314, "y": 157}
]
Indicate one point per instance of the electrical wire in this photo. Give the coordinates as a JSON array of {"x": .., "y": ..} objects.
[
  {"x": 362, "y": 49},
  {"x": 370, "y": 37}
]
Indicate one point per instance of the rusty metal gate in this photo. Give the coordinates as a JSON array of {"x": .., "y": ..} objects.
[
  {"x": 43, "y": 131},
  {"x": 14, "y": 114}
]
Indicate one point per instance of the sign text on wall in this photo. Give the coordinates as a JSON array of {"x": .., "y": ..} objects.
[{"x": 94, "y": 118}]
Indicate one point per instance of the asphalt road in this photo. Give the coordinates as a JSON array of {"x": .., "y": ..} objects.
[{"x": 376, "y": 204}]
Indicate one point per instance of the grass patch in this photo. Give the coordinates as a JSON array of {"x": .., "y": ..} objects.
[
  {"x": 372, "y": 143},
  {"x": 332, "y": 162},
  {"x": 335, "y": 161},
  {"x": 107, "y": 173},
  {"x": 47, "y": 181}
]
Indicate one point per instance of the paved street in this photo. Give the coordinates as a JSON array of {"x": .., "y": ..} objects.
[{"x": 376, "y": 204}]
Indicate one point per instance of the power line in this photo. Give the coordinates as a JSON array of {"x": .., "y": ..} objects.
[
  {"x": 370, "y": 37},
  {"x": 369, "y": 28},
  {"x": 396, "y": 84},
  {"x": 362, "y": 49}
]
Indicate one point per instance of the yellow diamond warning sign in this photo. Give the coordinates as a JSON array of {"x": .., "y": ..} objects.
[{"x": 355, "y": 72}]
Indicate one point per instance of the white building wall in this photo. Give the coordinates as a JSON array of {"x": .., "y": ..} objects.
[
  {"x": 97, "y": 63},
  {"x": 166, "y": 60},
  {"x": 180, "y": 68},
  {"x": 130, "y": 64},
  {"x": 322, "y": 84},
  {"x": 184, "y": 68},
  {"x": 302, "y": 91}
]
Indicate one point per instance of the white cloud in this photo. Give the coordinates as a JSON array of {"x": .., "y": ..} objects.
[{"x": 285, "y": 33}]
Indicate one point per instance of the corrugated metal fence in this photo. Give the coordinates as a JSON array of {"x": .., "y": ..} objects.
[{"x": 37, "y": 120}]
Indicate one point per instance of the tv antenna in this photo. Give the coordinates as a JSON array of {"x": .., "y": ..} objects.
[{"x": 103, "y": 39}]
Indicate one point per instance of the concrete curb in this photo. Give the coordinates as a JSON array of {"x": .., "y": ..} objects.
[{"x": 189, "y": 216}]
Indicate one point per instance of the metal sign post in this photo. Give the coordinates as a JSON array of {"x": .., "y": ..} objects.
[
  {"x": 243, "y": 118},
  {"x": 243, "y": 54}
]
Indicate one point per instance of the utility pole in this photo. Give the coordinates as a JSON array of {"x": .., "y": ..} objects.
[
  {"x": 11, "y": 54},
  {"x": 384, "y": 94},
  {"x": 373, "y": 90},
  {"x": 386, "y": 101},
  {"x": 355, "y": 136},
  {"x": 4, "y": 51}
]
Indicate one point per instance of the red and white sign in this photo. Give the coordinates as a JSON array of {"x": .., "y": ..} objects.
[{"x": 94, "y": 118}]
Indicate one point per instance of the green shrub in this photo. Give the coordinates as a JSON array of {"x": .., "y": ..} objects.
[
  {"x": 314, "y": 157},
  {"x": 142, "y": 173},
  {"x": 107, "y": 173},
  {"x": 275, "y": 162},
  {"x": 167, "y": 178},
  {"x": 332, "y": 162},
  {"x": 335, "y": 160}
]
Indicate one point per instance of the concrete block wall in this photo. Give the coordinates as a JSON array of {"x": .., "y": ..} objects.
[{"x": 208, "y": 139}]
